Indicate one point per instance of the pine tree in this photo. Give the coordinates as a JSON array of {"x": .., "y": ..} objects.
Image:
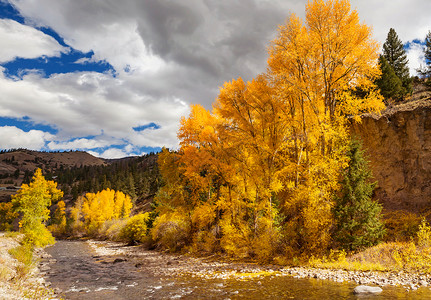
[
  {"x": 427, "y": 53},
  {"x": 389, "y": 84},
  {"x": 393, "y": 51},
  {"x": 357, "y": 216}
]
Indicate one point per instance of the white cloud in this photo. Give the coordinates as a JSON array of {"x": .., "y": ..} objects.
[
  {"x": 13, "y": 137},
  {"x": 410, "y": 19},
  {"x": 415, "y": 55},
  {"x": 24, "y": 41},
  {"x": 80, "y": 144},
  {"x": 92, "y": 104},
  {"x": 110, "y": 153}
]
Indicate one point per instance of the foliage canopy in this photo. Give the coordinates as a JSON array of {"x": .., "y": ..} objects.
[{"x": 256, "y": 174}]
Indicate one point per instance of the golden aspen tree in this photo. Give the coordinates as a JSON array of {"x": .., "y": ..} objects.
[
  {"x": 259, "y": 131},
  {"x": 324, "y": 68},
  {"x": 32, "y": 201},
  {"x": 97, "y": 208}
]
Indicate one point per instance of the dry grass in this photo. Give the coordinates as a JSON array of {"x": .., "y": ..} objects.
[
  {"x": 411, "y": 256},
  {"x": 338, "y": 260},
  {"x": 24, "y": 255}
]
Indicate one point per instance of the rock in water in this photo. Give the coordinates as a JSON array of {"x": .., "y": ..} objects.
[{"x": 365, "y": 289}]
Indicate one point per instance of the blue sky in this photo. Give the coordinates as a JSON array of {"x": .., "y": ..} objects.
[{"x": 114, "y": 77}]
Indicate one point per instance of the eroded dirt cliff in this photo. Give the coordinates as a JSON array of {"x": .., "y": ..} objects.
[{"x": 398, "y": 145}]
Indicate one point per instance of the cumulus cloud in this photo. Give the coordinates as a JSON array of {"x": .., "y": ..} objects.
[
  {"x": 26, "y": 42},
  {"x": 187, "y": 49},
  {"x": 13, "y": 137},
  {"x": 91, "y": 104},
  {"x": 415, "y": 55},
  {"x": 113, "y": 153},
  {"x": 184, "y": 49},
  {"x": 410, "y": 19},
  {"x": 82, "y": 143}
]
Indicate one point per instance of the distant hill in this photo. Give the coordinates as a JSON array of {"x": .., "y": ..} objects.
[
  {"x": 27, "y": 160},
  {"x": 78, "y": 172}
]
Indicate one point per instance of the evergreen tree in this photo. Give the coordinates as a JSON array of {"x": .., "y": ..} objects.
[
  {"x": 393, "y": 51},
  {"x": 357, "y": 216},
  {"x": 389, "y": 84},
  {"x": 426, "y": 71}
]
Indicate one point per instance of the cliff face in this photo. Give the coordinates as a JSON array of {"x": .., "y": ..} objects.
[{"x": 398, "y": 146}]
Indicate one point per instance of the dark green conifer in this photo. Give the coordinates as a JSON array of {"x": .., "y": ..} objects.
[
  {"x": 395, "y": 54},
  {"x": 389, "y": 84},
  {"x": 357, "y": 216},
  {"x": 427, "y": 53}
]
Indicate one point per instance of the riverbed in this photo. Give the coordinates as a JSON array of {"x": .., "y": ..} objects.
[{"x": 105, "y": 270}]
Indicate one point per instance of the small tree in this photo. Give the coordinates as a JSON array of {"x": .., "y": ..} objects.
[
  {"x": 426, "y": 71},
  {"x": 32, "y": 201},
  {"x": 357, "y": 216},
  {"x": 389, "y": 84},
  {"x": 396, "y": 56}
]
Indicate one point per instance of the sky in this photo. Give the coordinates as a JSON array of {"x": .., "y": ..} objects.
[{"x": 114, "y": 78}]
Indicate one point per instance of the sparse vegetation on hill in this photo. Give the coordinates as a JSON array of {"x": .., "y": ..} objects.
[{"x": 78, "y": 173}]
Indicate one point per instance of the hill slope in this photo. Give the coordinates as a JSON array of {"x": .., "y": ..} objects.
[{"x": 79, "y": 172}]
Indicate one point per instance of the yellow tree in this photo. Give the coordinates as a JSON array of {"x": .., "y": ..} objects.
[
  {"x": 254, "y": 123},
  {"x": 32, "y": 201},
  {"x": 324, "y": 70},
  {"x": 101, "y": 207}
]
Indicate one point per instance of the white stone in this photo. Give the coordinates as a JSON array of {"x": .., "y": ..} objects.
[{"x": 362, "y": 289}]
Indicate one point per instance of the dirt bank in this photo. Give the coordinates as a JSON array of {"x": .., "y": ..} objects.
[{"x": 15, "y": 285}]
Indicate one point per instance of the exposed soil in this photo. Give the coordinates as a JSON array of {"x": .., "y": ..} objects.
[{"x": 14, "y": 284}]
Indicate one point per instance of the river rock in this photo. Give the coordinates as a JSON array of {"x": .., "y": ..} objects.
[{"x": 366, "y": 289}]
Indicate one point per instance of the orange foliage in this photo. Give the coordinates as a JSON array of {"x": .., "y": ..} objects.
[{"x": 267, "y": 159}]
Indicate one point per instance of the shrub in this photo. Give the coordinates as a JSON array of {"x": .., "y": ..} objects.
[
  {"x": 135, "y": 229},
  {"x": 237, "y": 238},
  {"x": 424, "y": 234},
  {"x": 205, "y": 241},
  {"x": 39, "y": 236},
  {"x": 7, "y": 215},
  {"x": 112, "y": 229},
  {"x": 24, "y": 254},
  {"x": 171, "y": 231},
  {"x": 401, "y": 226}
]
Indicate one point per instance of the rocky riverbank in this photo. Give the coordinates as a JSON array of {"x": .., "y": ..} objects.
[
  {"x": 166, "y": 264},
  {"x": 13, "y": 283},
  {"x": 156, "y": 272}
]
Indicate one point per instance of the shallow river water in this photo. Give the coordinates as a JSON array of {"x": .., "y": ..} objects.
[{"x": 79, "y": 272}]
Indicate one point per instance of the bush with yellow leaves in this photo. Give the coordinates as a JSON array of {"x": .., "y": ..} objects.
[
  {"x": 135, "y": 230},
  {"x": 171, "y": 231}
]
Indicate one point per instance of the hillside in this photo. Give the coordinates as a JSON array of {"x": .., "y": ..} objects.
[
  {"x": 79, "y": 172},
  {"x": 27, "y": 160}
]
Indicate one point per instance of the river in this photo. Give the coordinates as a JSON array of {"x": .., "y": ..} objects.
[{"x": 79, "y": 271}]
